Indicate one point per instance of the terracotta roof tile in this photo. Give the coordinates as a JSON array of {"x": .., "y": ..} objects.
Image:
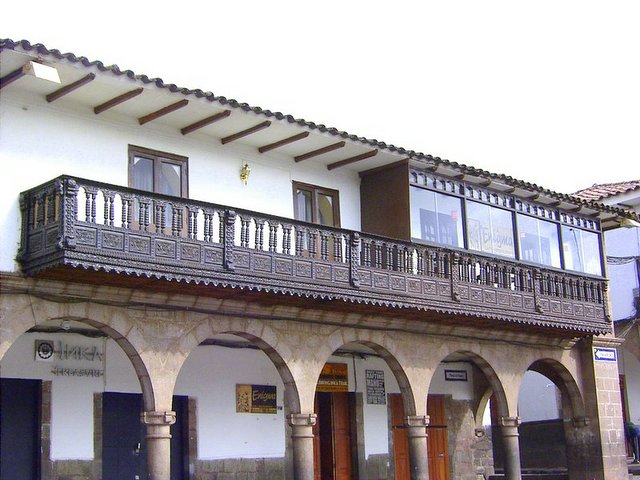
[{"x": 606, "y": 190}]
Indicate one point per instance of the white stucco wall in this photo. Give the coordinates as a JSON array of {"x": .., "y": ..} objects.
[
  {"x": 631, "y": 368},
  {"x": 39, "y": 141},
  {"x": 538, "y": 398},
  {"x": 623, "y": 242}
]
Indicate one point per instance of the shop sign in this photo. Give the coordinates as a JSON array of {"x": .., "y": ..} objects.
[
  {"x": 334, "y": 378},
  {"x": 375, "y": 387},
  {"x": 70, "y": 360},
  {"x": 256, "y": 399},
  {"x": 455, "y": 375}
]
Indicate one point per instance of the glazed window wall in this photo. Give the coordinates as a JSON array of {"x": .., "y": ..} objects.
[
  {"x": 581, "y": 250},
  {"x": 539, "y": 241},
  {"x": 452, "y": 220},
  {"x": 436, "y": 218},
  {"x": 490, "y": 229}
]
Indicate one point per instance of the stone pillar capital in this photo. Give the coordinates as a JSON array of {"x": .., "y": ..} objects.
[
  {"x": 510, "y": 422},
  {"x": 417, "y": 421},
  {"x": 302, "y": 419},
  {"x": 158, "y": 418}
]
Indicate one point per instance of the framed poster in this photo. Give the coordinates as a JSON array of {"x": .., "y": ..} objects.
[{"x": 256, "y": 399}]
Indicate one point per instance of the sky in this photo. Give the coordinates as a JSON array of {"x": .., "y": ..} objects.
[{"x": 546, "y": 91}]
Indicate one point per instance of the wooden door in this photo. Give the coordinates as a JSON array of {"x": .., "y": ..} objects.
[
  {"x": 437, "y": 441},
  {"x": 332, "y": 437},
  {"x": 341, "y": 415},
  {"x": 399, "y": 438}
]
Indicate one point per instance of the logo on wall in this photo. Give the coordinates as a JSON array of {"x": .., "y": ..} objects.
[{"x": 44, "y": 350}]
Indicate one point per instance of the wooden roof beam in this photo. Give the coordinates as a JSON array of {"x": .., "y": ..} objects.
[
  {"x": 244, "y": 133},
  {"x": 205, "y": 121},
  {"x": 117, "y": 100},
  {"x": 357, "y": 158},
  {"x": 61, "y": 92},
  {"x": 163, "y": 111},
  {"x": 283, "y": 142},
  {"x": 320, "y": 151},
  {"x": 11, "y": 77}
]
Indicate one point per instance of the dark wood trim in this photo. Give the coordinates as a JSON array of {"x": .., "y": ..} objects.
[
  {"x": 61, "y": 92},
  {"x": 11, "y": 77},
  {"x": 382, "y": 168},
  {"x": 205, "y": 121},
  {"x": 315, "y": 190},
  {"x": 163, "y": 111},
  {"x": 357, "y": 158},
  {"x": 158, "y": 156},
  {"x": 244, "y": 133},
  {"x": 320, "y": 151},
  {"x": 117, "y": 100},
  {"x": 284, "y": 141}
]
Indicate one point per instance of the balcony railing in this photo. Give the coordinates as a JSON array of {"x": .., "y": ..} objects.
[{"x": 81, "y": 223}]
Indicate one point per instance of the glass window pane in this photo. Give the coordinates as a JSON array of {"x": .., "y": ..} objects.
[
  {"x": 436, "y": 218},
  {"x": 143, "y": 174},
  {"x": 170, "y": 179},
  {"x": 581, "y": 250},
  {"x": 490, "y": 229},
  {"x": 539, "y": 241},
  {"x": 325, "y": 209},
  {"x": 304, "y": 206}
]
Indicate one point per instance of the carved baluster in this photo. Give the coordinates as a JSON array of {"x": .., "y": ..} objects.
[
  {"x": 273, "y": 237},
  {"x": 337, "y": 247},
  {"x": 160, "y": 209},
  {"x": 366, "y": 252},
  {"x": 228, "y": 238},
  {"x": 244, "y": 231},
  {"x": 388, "y": 261},
  {"x": 69, "y": 209},
  {"x": 126, "y": 211},
  {"x": 286, "y": 239},
  {"x": 324, "y": 245},
  {"x": 300, "y": 234},
  {"x": 51, "y": 206},
  {"x": 91, "y": 206},
  {"x": 402, "y": 259},
  {"x": 378, "y": 254},
  {"x": 192, "y": 225},
  {"x": 208, "y": 226},
  {"x": 259, "y": 240},
  {"x": 420, "y": 261},
  {"x": 313, "y": 235},
  {"x": 537, "y": 281}
]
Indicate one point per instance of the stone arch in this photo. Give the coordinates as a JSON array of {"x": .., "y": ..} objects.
[
  {"x": 495, "y": 384},
  {"x": 572, "y": 402},
  {"x": 344, "y": 337},
  {"x": 260, "y": 335},
  {"x": 33, "y": 314}
]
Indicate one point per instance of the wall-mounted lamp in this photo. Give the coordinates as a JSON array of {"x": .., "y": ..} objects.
[
  {"x": 245, "y": 171},
  {"x": 65, "y": 325},
  {"x": 40, "y": 70}
]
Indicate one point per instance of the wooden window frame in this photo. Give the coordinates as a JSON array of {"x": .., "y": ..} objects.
[
  {"x": 157, "y": 157},
  {"x": 315, "y": 190}
]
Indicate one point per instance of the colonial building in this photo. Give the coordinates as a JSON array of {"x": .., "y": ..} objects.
[
  {"x": 194, "y": 288},
  {"x": 623, "y": 259}
]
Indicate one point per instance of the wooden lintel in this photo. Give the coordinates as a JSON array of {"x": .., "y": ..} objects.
[
  {"x": 244, "y": 133},
  {"x": 320, "y": 151},
  {"x": 381, "y": 168},
  {"x": 357, "y": 158},
  {"x": 283, "y": 142},
  {"x": 61, "y": 92},
  {"x": 163, "y": 111},
  {"x": 117, "y": 100},
  {"x": 205, "y": 121},
  {"x": 11, "y": 77}
]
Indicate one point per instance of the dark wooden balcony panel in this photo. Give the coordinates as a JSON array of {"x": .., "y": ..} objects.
[{"x": 79, "y": 223}]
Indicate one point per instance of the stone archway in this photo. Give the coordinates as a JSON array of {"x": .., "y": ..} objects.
[{"x": 569, "y": 434}]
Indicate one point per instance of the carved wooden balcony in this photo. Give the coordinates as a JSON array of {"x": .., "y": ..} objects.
[{"x": 76, "y": 223}]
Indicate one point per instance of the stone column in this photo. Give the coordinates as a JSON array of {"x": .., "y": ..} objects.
[
  {"x": 511, "y": 446},
  {"x": 417, "y": 436},
  {"x": 158, "y": 443},
  {"x": 302, "y": 441}
]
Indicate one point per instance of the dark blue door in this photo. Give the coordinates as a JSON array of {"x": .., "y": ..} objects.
[
  {"x": 19, "y": 429},
  {"x": 124, "y": 453}
]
